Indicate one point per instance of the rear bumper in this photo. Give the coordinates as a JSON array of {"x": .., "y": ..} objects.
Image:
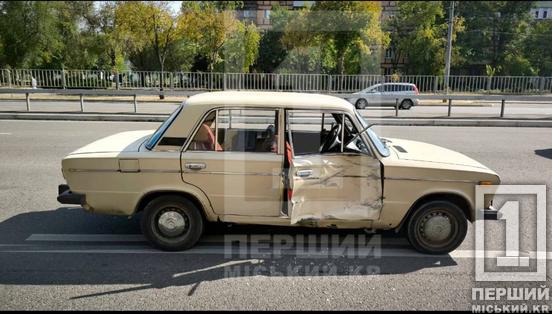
[
  {"x": 66, "y": 196},
  {"x": 490, "y": 214}
]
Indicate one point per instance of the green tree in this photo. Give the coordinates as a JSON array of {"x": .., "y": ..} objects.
[
  {"x": 80, "y": 48},
  {"x": 29, "y": 34},
  {"x": 217, "y": 27},
  {"x": 271, "y": 50},
  {"x": 494, "y": 33},
  {"x": 145, "y": 25},
  {"x": 344, "y": 25},
  {"x": 111, "y": 51},
  {"x": 419, "y": 35},
  {"x": 538, "y": 47},
  {"x": 222, "y": 39},
  {"x": 242, "y": 49},
  {"x": 56, "y": 34}
]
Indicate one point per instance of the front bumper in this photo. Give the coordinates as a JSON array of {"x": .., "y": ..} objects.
[
  {"x": 490, "y": 214},
  {"x": 66, "y": 196}
]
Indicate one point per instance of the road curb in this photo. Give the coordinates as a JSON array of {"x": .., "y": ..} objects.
[
  {"x": 86, "y": 99},
  {"x": 84, "y": 117},
  {"x": 378, "y": 121},
  {"x": 461, "y": 122}
]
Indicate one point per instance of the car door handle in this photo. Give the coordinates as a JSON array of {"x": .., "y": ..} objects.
[
  {"x": 195, "y": 166},
  {"x": 304, "y": 173}
]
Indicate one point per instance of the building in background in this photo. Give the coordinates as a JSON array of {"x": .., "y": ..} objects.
[
  {"x": 388, "y": 10},
  {"x": 542, "y": 10},
  {"x": 258, "y": 12}
]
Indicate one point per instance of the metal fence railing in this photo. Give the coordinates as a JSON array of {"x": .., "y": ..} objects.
[{"x": 209, "y": 81}]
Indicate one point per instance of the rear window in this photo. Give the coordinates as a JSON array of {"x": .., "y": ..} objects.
[
  {"x": 395, "y": 88},
  {"x": 398, "y": 88}
]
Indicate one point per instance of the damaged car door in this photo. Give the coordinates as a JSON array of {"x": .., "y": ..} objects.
[{"x": 332, "y": 173}]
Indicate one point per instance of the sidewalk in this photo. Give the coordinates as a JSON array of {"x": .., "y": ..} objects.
[
  {"x": 179, "y": 99},
  {"x": 126, "y": 99},
  {"x": 477, "y": 122}
]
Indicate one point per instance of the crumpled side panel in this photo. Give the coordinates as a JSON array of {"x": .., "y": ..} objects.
[{"x": 340, "y": 187}]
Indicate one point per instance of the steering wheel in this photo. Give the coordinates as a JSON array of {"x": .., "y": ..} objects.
[{"x": 332, "y": 138}]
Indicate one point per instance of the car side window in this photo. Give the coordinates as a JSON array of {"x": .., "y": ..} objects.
[
  {"x": 310, "y": 130},
  {"x": 238, "y": 130},
  {"x": 248, "y": 130},
  {"x": 315, "y": 132},
  {"x": 204, "y": 139}
]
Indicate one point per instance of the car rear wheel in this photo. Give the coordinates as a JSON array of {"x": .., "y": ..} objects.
[
  {"x": 361, "y": 103},
  {"x": 172, "y": 223},
  {"x": 437, "y": 227},
  {"x": 407, "y": 104}
]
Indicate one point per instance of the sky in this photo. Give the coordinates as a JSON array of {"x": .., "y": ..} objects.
[{"x": 175, "y": 6}]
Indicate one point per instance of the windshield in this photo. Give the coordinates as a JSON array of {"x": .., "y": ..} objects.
[
  {"x": 159, "y": 132},
  {"x": 380, "y": 146}
]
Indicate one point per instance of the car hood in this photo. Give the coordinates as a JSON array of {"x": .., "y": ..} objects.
[
  {"x": 120, "y": 142},
  {"x": 424, "y": 152}
]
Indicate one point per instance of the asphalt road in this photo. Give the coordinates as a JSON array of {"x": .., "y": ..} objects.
[
  {"x": 485, "y": 109},
  {"x": 55, "y": 257}
]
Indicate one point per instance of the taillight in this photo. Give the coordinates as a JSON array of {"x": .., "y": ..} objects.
[{"x": 416, "y": 90}]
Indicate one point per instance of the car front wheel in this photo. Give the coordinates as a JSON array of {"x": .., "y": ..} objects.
[
  {"x": 172, "y": 223},
  {"x": 361, "y": 103},
  {"x": 437, "y": 227}
]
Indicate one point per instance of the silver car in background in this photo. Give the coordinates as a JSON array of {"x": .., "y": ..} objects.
[{"x": 372, "y": 96}]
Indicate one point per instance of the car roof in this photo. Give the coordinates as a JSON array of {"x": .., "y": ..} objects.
[
  {"x": 268, "y": 99},
  {"x": 197, "y": 105},
  {"x": 398, "y": 83}
]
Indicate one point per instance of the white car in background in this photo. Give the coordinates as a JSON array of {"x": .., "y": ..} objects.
[{"x": 405, "y": 92}]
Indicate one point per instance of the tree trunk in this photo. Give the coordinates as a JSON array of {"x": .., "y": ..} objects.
[
  {"x": 161, "y": 80},
  {"x": 341, "y": 68}
]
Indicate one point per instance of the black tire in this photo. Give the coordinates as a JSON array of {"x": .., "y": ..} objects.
[
  {"x": 361, "y": 103},
  {"x": 407, "y": 104},
  {"x": 437, "y": 209},
  {"x": 153, "y": 230}
]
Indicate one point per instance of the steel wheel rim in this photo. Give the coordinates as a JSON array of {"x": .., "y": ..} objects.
[
  {"x": 437, "y": 229},
  {"x": 172, "y": 223}
]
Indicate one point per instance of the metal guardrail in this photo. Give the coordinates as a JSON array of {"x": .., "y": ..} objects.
[
  {"x": 92, "y": 92},
  {"x": 134, "y": 93},
  {"x": 210, "y": 81}
]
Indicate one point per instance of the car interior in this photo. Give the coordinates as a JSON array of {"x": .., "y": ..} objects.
[
  {"x": 324, "y": 138},
  {"x": 237, "y": 137}
]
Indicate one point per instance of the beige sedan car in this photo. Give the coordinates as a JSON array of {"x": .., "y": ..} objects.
[{"x": 286, "y": 159}]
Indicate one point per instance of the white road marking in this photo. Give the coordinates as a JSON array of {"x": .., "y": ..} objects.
[
  {"x": 372, "y": 249},
  {"x": 14, "y": 245},
  {"x": 222, "y": 238},
  {"x": 5, "y": 133},
  {"x": 263, "y": 251},
  {"x": 87, "y": 237}
]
